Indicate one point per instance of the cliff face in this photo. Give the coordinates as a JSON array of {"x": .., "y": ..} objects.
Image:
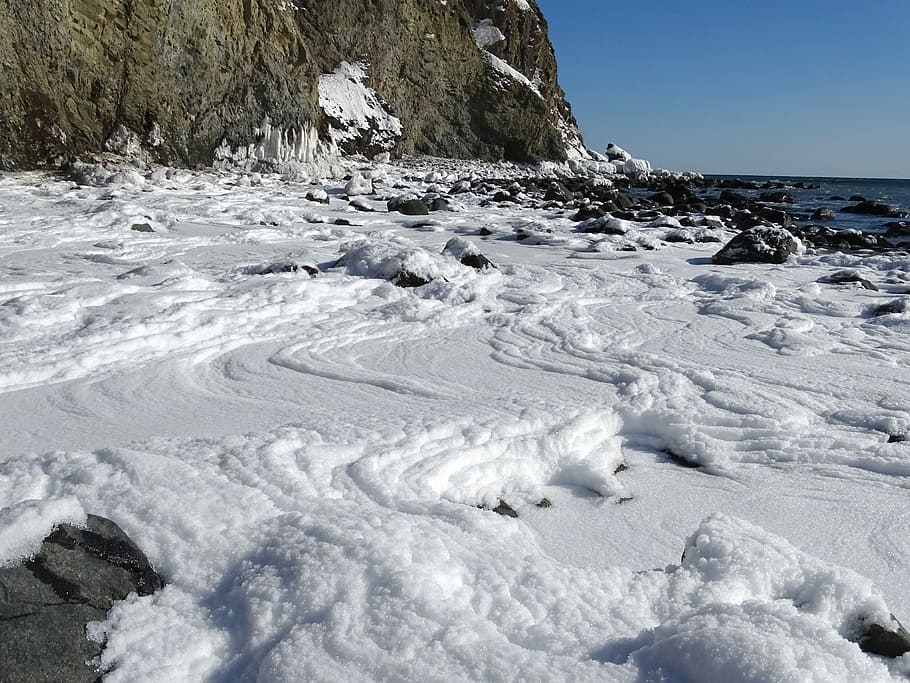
[{"x": 193, "y": 80}]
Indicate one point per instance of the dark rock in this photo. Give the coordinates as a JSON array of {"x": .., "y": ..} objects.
[
  {"x": 824, "y": 214},
  {"x": 838, "y": 198},
  {"x": 46, "y": 602},
  {"x": 504, "y": 197},
  {"x": 477, "y": 261},
  {"x": 897, "y": 438},
  {"x": 776, "y": 216},
  {"x": 142, "y": 227},
  {"x": 890, "y": 308},
  {"x": 282, "y": 267},
  {"x": 623, "y": 201},
  {"x": 557, "y": 192},
  {"x": 744, "y": 220},
  {"x": 342, "y": 221},
  {"x": 891, "y": 642},
  {"x": 857, "y": 198},
  {"x": 734, "y": 199},
  {"x": 588, "y": 212},
  {"x": 662, "y": 198},
  {"x": 875, "y": 209},
  {"x": 776, "y": 197},
  {"x": 763, "y": 244},
  {"x": 484, "y": 232},
  {"x": 898, "y": 229},
  {"x": 408, "y": 279},
  {"x": 843, "y": 277},
  {"x": 409, "y": 206},
  {"x": 440, "y": 204},
  {"x": 825, "y": 237},
  {"x": 319, "y": 196},
  {"x": 544, "y": 503},
  {"x": 504, "y": 509}
]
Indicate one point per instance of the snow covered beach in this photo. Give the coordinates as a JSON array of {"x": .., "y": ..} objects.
[{"x": 313, "y": 463}]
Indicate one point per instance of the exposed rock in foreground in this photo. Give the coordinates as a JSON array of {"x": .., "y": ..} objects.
[
  {"x": 46, "y": 602},
  {"x": 192, "y": 82},
  {"x": 762, "y": 244}
]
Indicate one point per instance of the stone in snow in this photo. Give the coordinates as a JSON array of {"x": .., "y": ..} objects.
[
  {"x": 761, "y": 244},
  {"x": 46, "y": 602}
]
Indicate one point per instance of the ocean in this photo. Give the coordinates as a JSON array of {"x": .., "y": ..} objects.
[{"x": 822, "y": 192}]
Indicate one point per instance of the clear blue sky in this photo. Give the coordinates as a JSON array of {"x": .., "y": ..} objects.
[{"x": 800, "y": 87}]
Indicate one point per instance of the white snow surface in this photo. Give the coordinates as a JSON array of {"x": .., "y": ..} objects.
[
  {"x": 355, "y": 109},
  {"x": 24, "y": 524},
  {"x": 311, "y": 463}
]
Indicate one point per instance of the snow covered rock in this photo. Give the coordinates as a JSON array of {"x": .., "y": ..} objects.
[
  {"x": 617, "y": 153},
  {"x": 636, "y": 167},
  {"x": 762, "y": 244},
  {"x": 467, "y": 254},
  {"x": 46, "y": 601},
  {"x": 358, "y": 185}
]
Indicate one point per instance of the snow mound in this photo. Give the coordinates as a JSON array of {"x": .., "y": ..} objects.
[
  {"x": 25, "y": 525},
  {"x": 746, "y": 605}
]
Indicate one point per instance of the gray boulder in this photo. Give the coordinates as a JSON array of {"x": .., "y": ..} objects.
[
  {"x": 761, "y": 244},
  {"x": 46, "y": 602}
]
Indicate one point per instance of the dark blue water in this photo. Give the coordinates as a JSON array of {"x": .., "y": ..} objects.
[{"x": 888, "y": 191}]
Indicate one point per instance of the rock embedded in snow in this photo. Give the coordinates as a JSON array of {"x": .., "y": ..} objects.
[
  {"x": 46, "y": 602},
  {"x": 762, "y": 244},
  {"x": 558, "y": 192},
  {"x": 843, "y": 277},
  {"x": 617, "y": 153},
  {"x": 467, "y": 254},
  {"x": 408, "y": 205},
  {"x": 318, "y": 195},
  {"x": 891, "y": 640}
]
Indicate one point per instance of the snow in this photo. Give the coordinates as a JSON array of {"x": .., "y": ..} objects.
[
  {"x": 23, "y": 525},
  {"x": 486, "y": 34},
  {"x": 312, "y": 463},
  {"x": 355, "y": 109}
]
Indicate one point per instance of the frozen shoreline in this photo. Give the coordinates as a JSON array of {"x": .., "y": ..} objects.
[{"x": 302, "y": 458}]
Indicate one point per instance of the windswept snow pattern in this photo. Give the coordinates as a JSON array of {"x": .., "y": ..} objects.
[{"x": 313, "y": 462}]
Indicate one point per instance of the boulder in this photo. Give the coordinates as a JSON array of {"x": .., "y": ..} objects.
[
  {"x": 844, "y": 277},
  {"x": 761, "y": 244},
  {"x": 467, "y": 254},
  {"x": 875, "y": 209},
  {"x": 408, "y": 205},
  {"x": 557, "y": 192},
  {"x": 46, "y": 602},
  {"x": 890, "y": 641},
  {"x": 824, "y": 214},
  {"x": 776, "y": 197},
  {"x": 318, "y": 195},
  {"x": 662, "y": 198}
]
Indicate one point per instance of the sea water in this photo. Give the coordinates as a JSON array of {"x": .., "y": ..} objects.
[{"x": 810, "y": 193}]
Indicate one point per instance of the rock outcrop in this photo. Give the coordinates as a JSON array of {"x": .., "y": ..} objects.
[
  {"x": 283, "y": 80},
  {"x": 46, "y": 602}
]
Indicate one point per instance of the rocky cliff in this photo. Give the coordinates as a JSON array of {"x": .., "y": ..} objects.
[{"x": 192, "y": 81}]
